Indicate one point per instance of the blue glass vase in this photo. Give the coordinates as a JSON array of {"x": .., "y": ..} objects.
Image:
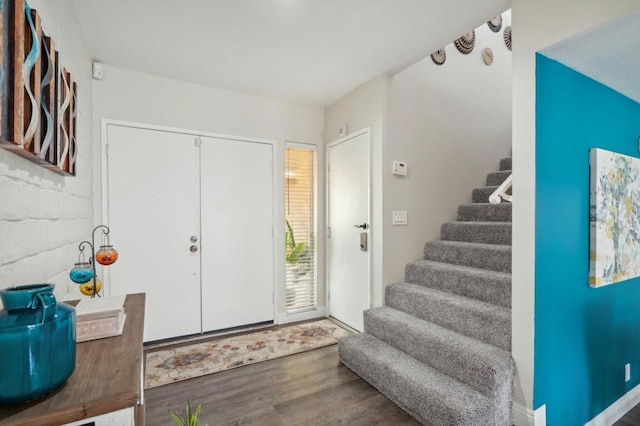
[{"x": 81, "y": 272}]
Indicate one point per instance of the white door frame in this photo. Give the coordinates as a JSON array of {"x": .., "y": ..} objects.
[
  {"x": 367, "y": 131},
  {"x": 278, "y": 237}
]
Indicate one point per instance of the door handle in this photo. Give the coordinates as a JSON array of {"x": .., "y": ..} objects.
[
  {"x": 363, "y": 226},
  {"x": 193, "y": 248}
]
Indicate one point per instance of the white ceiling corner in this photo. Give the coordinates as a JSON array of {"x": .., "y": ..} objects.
[
  {"x": 608, "y": 54},
  {"x": 309, "y": 52}
]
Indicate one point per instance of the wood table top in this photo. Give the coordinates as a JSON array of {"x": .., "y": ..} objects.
[{"x": 107, "y": 378}]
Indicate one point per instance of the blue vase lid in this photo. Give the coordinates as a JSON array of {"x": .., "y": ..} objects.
[
  {"x": 30, "y": 305},
  {"x": 23, "y": 296}
]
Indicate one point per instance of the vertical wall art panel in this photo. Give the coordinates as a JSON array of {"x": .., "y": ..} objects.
[
  {"x": 38, "y": 109},
  {"x": 64, "y": 101},
  {"x": 31, "y": 81},
  {"x": 72, "y": 128},
  {"x": 18, "y": 61},
  {"x": 6, "y": 84},
  {"x": 48, "y": 101},
  {"x": 614, "y": 218}
]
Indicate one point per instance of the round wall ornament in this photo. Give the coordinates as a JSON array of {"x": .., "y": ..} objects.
[
  {"x": 507, "y": 36},
  {"x": 487, "y": 56},
  {"x": 465, "y": 43},
  {"x": 495, "y": 24},
  {"x": 439, "y": 56}
]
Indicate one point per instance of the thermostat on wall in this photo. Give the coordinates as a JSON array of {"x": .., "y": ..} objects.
[{"x": 399, "y": 168}]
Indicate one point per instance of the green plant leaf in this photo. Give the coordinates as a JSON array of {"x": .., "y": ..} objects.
[{"x": 176, "y": 419}]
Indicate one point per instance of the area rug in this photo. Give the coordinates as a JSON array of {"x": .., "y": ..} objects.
[{"x": 186, "y": 362}]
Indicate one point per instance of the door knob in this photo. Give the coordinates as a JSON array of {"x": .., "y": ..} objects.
[
  {"x": 193, "y": 239},
  {"x": 363, "y": 226},
  {"x": 193, "y": 248}
]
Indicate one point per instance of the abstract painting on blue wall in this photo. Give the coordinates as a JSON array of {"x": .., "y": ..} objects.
[{"x": 614, "y": 218}]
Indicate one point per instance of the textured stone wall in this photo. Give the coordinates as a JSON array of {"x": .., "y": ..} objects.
[{"x": 43, "y": 215}]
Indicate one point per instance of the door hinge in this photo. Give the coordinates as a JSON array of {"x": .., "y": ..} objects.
[
  {"x": 107, "y": 150},
  {"x": 328, "y": 232},
  {"x": 198, "y": 141}
]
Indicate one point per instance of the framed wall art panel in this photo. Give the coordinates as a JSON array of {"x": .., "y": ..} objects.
[
  {"x": 38, "y": 108},
  {"x": 614, "y": 217}
]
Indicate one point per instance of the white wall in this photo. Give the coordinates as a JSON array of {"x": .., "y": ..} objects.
[
  {"x": 366, "y": 107},
  {"x": 452, "y": 125},
  {"x": 43, "y": 215},
  {"x": 142, "y": 98},
  {"x": 536, "y": 25}
]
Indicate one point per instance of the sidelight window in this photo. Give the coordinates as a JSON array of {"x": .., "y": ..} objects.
[{"x": 301, "y": 171}]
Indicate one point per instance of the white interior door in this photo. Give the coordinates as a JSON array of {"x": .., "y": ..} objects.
[
  {"x": 237, "y": 233},
  {"x": 153, "y": 200},
  {"x": 349, "y": 270}
]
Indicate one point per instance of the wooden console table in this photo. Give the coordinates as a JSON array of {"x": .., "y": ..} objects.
[{"x": 107, "y": 378}]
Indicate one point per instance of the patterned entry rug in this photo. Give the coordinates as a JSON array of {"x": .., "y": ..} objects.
[{"x": 186, "y": 362}]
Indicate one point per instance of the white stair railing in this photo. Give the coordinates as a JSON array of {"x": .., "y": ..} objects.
[{"x": 501, "y": 192}]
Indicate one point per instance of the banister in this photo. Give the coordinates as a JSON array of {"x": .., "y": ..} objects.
[{"x": 501, "y": 192}]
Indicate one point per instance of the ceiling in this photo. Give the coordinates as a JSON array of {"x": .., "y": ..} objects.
[
  {"x": 608, "y": 54},
  {"x": 309, "y": 52}
]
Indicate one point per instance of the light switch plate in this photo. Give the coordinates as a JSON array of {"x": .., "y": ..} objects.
[{"x": 399, "y": 217}]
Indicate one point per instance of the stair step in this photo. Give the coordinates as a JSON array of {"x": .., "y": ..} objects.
[
  {"x": 481, "y": 195},
  {"x": 496, "y": 178},
  {"x": 477, "y": 232},
  {"x": 428, "y": 395},
  {"x": 479, "y": 320},
  {"x": 485, "y": 212},
  {"x": 481, "y": 284},
  {"x": 481, "y": 366},
  {"x": 493, "y": 257},
  {"x": 506, "y": 164}
]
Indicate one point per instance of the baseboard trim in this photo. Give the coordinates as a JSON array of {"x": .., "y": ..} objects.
[
  {"x": 319, "y": 312},
  {"x": 615, "y": 411},
  {"x": 523, "y": 416}
]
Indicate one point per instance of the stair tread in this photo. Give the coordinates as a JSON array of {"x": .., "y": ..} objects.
[
  {"x": 484, "y": 367},
  {"x": 435, "y": 397},
  {"x": 480, "y": 205},
  {"x": 477, "y": 231},
  {"x": 496, "y": 178},
  {"x": 478, "y": 223},
  {"x": 483, "y": 212},
  {"x": 474, "y": 304},
  {"x": 488, "y": 322},
  {"x": 506, "y": 163},
  {"x": 494, "y": 257},
  {"x": 497, "y": 247},
  {"x": 463, "y": 268}
]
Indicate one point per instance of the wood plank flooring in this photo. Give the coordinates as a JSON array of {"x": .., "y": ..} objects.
[
  {"x": 311, "y": 388},
  {"x": 632, "y": 418}
]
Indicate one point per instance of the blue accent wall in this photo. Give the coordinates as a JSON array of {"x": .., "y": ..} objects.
[{"x": 583, "y": 336}]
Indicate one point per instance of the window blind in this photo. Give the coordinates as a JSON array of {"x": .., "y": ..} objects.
[{"x": 301, "y": 228}]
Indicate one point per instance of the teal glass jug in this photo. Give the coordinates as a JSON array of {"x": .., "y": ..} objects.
[{"x": 37, "y": 343}]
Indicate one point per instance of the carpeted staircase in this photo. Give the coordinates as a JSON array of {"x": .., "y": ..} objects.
[{"x": 440, "y": 348}]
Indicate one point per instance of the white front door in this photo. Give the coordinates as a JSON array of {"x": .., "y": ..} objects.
[
  {"x": 153, "y": 213},
  {"x": 237, "y": 233},
  {"x": 348, "y": 199}
]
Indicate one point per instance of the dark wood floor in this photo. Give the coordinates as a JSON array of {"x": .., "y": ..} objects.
[
  {"x": 311, "y": 388},
  {"x": 632, "y": 418}
]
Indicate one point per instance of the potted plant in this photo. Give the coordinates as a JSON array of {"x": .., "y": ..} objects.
[{"x": 191, "y": 418}]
